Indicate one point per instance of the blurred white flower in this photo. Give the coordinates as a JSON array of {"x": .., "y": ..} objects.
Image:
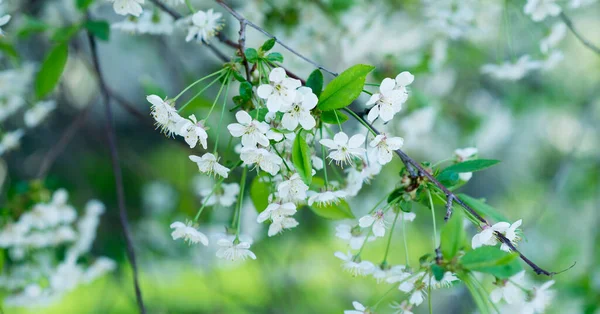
[
  {"x": 232, "y": 251},
  {"x": 189, "y": 234},
  {"x": 342, "y": 149},
  {"x": 540, "y": 9},
  {"x": 193, "y": 131},
  {"x": 10, "y": 141},
  {"x": 209, "y": 164},
  {"x": 165, "y": 115},
  {"x": 153, "y": 23},
  {"x": 293, "y": 189},
  {"x": 3, "y": 21},
  {"x": 355, "y": 238},
  {"x": 557, "y": 33},
  {"x": 204, "y": 25},
  {"x": 487, "y": 235},
  {"x": 402, "y": 308},
  {"x": 361, "y": 268},
  {"x": 264, "y": 159},
  {"x": 511, "y": 71},
  {"x": 358, "y": 309},
  {"x": 511, "y": 290},
  {"x": 280, "y": 91},
  {"x": 38, "y": 113},
  {"x": 376, "y": 221},
  {"x": 125, "y": 7}
]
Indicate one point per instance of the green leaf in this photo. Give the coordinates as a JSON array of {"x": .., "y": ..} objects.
[
  {"x": 100, "y": 29},
  {"x": 268, "y": 45},
  {"x": 330, "y": 117},
  {"x": 275, "y": 57},
  {"x": 345, "y": 88},
  {"x": 30, "y": 26},
  {"x": 64, "y": 34},
  {"x": 492, "y": 260},
  {"x": 472, "y": 165},
  {"x": 246, "y": 90},
  {"x": 237, "y": 76},
  {"x": 315, "y": 82},
  {"x": 340, "y": 210},
  {"x": 453, "y": 236},
  {"x": 259, "y": 192},
  {"x": 51, "y": 70},
  {"x": 482, "y": 208},
  {"x": 82, "y": 5},
  {"x": 251, "y": 55},
  {"x": 301, "y": 158},
  {"x": 479, "y": 295},
  {"x": 9, "y": 49},
  {"x": 438, "y": 272},
  {"x": 259, "y": 114}
]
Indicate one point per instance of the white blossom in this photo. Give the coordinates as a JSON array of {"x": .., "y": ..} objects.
[
  {"x": 511, "y": 290},
  {"x": 298, "y": 112},
  {"x": 4, "y": 19},
  {"x": 358, "y": 309},
  {"x": 557, "y": 33},
  {"x": 280, "y": 91},
  {"x": 342, "y": 149},
  {"x": 225, "y": 195},
  {"x": 402, "y": 308},
  {"x": 10, "y": 141},
  {"x": 280, "y": 216},
  {"x": 387, "y": 102},
  {"x": 209, "y": 164},
  {"x": 38, "y": 113},
  {"x": 540, "y": 9},
  {"x": 193, "y": 131},
  {"x": 125, "y": 7},
  {"x": 153, "y": 23},
  {"x": 293, "y": 189},
  {"x": 487, "y": 235},
  {"x": 385, "y": 146},
  {"x": 542, "y": 296},
  {"x": 355, "y": 239},
  {"x": 188, "y": 233},
  {"x": 511, "y": 71},
  {"x": 326, "y": 197},
  {"x": 165, "y": 115},
  {"x": 463, "y": 154},
  {"x": 264, "y": 159},
  {"x": 232, "y": 251},
  {"x": 251, "y": 131},
  {"x": 204, "y": 25},
  {"x": 376, "y": 221},
  {"x": 361, "y": 268}
]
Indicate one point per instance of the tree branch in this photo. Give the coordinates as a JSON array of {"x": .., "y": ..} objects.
[
  {"x": 114, "y": 156},
  {"x": 575, "y": 32}
]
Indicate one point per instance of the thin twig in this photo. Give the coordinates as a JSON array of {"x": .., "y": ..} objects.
[
  {"x": 575, "y": 32},
  {"x": 449, "y": 202},
  {"x": 62, "y": 143},
  {"x": 114, "y": 156}
]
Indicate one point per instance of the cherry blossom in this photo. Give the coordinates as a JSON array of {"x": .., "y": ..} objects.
[
  {"x": 385, "y": 146},
  {"x": 188, "y": 233},
  {"x": 209, "y": 164},
  {"x": 251, "y": 131},
  {"x": 387, "y": 102},
  {"x": 342, "y": 149},
  {"x": 281, "y": 90},
  {"x": 298, "y": 112},
  {"x": 125, "y": 7}
]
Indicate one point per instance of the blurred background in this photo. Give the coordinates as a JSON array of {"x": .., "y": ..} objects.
[{"x": 542, "y": 124}]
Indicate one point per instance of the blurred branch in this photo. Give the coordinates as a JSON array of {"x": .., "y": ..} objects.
[
  {"x": 62, "y": 143},
  {"x": 114, "y": 155},
  {"x": 575, "y": 32}
]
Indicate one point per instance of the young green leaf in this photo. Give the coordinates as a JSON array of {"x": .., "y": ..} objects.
[
  {"x": 301, "y": 158},
  {"x": 251, "y": 55},
  {"x": 482, "y": 208},
  {"x": 315, "y": 82},
  {"x": 82, "y": 5},
  {"x": 8, "y": 49},
  {"x": 275, "y": 57},
  {"x": 259, "y": 114},
  {"x": 492, "y": 260},
  {"x": 268, "y": 45},
  {"x": 100, "y": 29},
  {"x": 340, "y": 210},
  {"x": 479, "y": 295},
  {"x": 64, "y": 34},
  {"x": 259, "y": 193},
  {"x": 345, "y": 88},
  {"x": 331, "y": 118},
  {"x": 472, "y": 165},
  {"x": 246, "y": 90},
  {"x": 51, "y": 70},
  {"x": 453, "y": 236}
]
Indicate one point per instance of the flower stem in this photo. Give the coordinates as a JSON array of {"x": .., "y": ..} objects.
[
  {"x": 196, "y": 82},
  {"x": 435, "y": 245},
  {"x": 405, "y": 242},
  {"x": 283, "y": 159},
  {"x": 222, "y": 113},
  {"x": 239, "y": 204},
  {"x": 226, "y": 82},
  {"x": 324, "y": 160},
  {"x": 389, "y": 242},
  {"x": 189, "y": 5},
  {"x": 359, "y": 119},
  {"x": 198, "y": 94}
]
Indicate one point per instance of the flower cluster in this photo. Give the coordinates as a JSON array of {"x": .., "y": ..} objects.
[
  {"x": 31, "y": 241},
  {"x": 520, "y": 295}
]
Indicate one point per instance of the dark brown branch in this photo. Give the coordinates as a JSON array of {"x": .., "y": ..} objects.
[
  {"x": 449, "y": 202},
  {"x": 114, "y": 156},
  {"x": 575, "y": 32},
  {"x": 62, "y": 143}
]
